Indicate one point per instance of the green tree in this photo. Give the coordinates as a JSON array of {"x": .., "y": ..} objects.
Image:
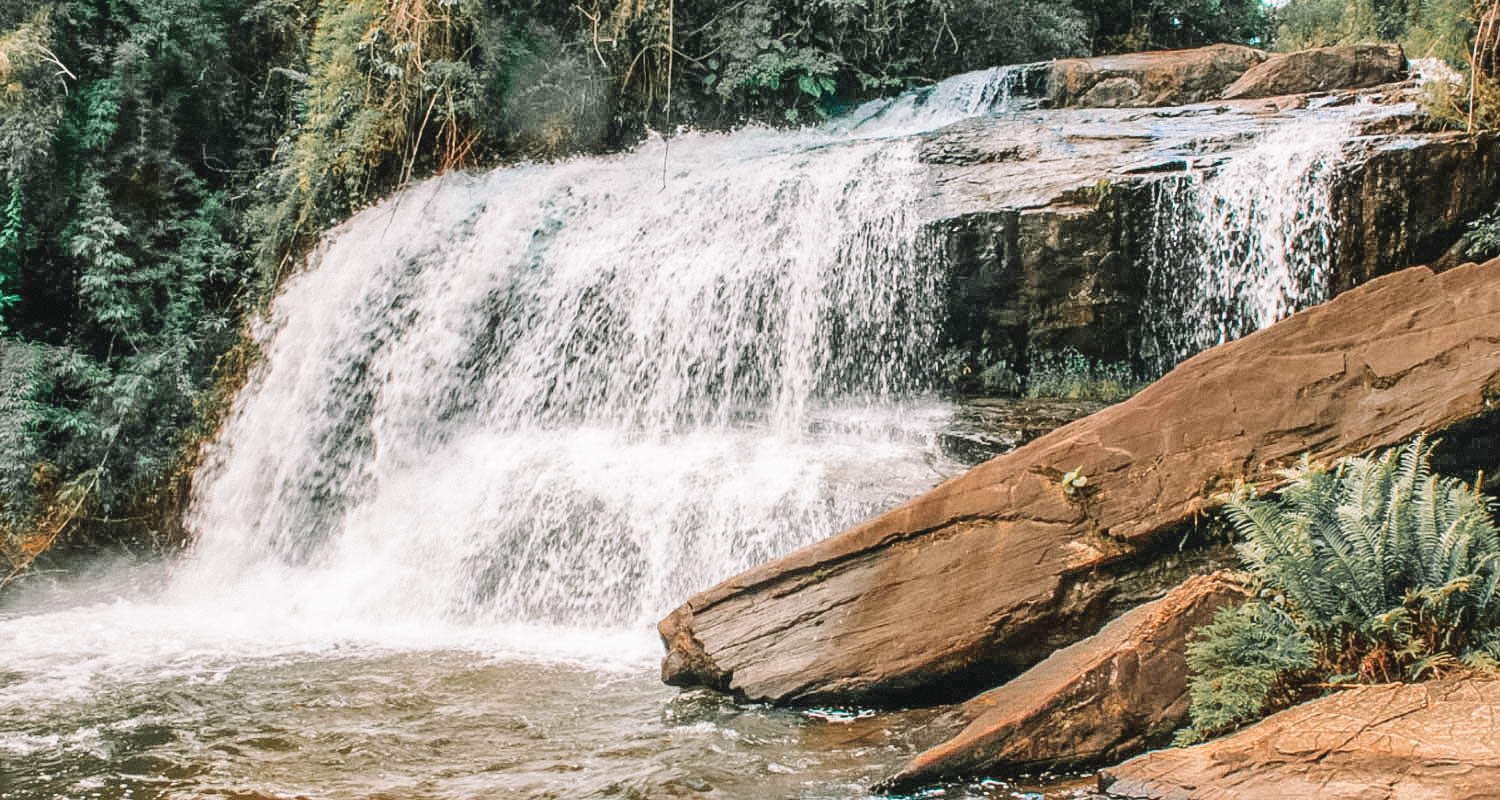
[{"x": 1426, "y": 28}]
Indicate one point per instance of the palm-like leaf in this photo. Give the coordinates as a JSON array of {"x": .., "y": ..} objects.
[{"x": 1377, "y": 554}]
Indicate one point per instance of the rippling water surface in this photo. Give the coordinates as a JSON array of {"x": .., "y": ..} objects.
[{"x": 108, "y": 692}]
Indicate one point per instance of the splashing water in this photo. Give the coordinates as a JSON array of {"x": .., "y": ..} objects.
[
  {"x": 998, "y": 90},
  {"x": 570, "y": 395},
  {"x": 1235, "y": 250},
  {"x": 503, "y": 422}
]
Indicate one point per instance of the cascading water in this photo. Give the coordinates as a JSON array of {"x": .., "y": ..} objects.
[
  {"x": 999, "y": 90},
  {"x": 573, "y": 395},
  {"x": 502, "y": 423},
  {"x": 1237, "y": 248}
]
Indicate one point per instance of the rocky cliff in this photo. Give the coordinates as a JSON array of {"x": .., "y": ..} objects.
[{"x": 1075, "y": 227}]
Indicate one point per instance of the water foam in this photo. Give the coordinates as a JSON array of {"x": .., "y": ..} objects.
[
  {"x": 1236, "y": 248},
  {"x": 570, "y": 395},
  {"x": 999, "y": 90}
]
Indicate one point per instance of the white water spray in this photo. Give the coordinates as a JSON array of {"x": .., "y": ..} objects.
[
  {"x": 999, "y": 90},
  {"x": 1240, "y": 248}
]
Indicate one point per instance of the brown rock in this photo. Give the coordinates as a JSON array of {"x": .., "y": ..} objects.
[
  {"x": 1410, "y": 202},
  {"x": 1159, "y": 78},
  {"x": 1433, "y": 740},
  {"x": 991, "y": 571},
  {"x": 1344, "y": 67},
  {"x": 1105, "y": 698}
]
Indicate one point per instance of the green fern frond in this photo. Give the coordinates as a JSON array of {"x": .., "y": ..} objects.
[{"x": 1385, "y": 567}]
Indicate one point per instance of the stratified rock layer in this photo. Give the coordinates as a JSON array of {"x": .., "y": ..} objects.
[
  {"x": 1414, "y": 742},
  {"x": 1105, "y": 698},
  {"x": 989, "y": 572},
  {"x": 1047, "y": 231}
]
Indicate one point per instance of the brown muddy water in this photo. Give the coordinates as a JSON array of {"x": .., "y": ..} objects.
[{"x": 137, "y": 680}]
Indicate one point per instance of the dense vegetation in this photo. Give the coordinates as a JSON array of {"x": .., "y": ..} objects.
[
  {"x": 1426, "y": 28},
  {"x": 166, "y": 162},
  {"x": 1371, "y": 571}
]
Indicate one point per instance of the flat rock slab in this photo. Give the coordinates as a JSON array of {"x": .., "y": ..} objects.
[
  {"x": 1222, "y": 71},
  {"x": 990, "y": 572},
  {"x": 1431, "y": 740},
  {"x": 1106, "y": 698}
]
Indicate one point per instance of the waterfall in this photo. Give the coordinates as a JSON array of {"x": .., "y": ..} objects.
[
  {"x": 1233, "y": 249},
  {"x": 998, "y": 90},
  {"x": 574, "y": 394}
]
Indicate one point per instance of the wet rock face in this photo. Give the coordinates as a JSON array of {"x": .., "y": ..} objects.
[
  {"x": 983, "y": 428},
  {"x": 1430, "y": 740},
  {"x": 991, "y": 571},
  {"x": 1047, "y": 222},
  {"x": 1105, "y": 698},
  {"x": 1409, "y": 200}
]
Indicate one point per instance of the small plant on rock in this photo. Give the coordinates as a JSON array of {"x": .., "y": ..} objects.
[
  {"x": 1372, "y": 571},
  {"x": 1072, "y": 375}
]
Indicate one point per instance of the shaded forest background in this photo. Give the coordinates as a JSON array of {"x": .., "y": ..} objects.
[{"x": 167, "y": 162}]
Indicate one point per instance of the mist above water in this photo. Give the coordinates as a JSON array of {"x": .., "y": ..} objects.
[{"x": 572, "y": 395}]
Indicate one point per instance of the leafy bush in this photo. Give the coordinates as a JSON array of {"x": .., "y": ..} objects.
[
  {"x": 1426, "y": 28},
  {"x": 1382, "y": 569},
  {"x": 1244, "y": 663},
  {"x": 1483, "y": 241},
  {"x": 1129, "y": 25}
]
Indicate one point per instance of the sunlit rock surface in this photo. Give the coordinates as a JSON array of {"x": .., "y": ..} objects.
[
  {"x": 1321, "y": 69},
  {"x": 1105, "y": 698},
  {"x": 1158, "y": 78},
  {"x": 1429, "y": 740}
]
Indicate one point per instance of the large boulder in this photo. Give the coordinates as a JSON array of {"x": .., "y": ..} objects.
[
  {"x": 1431, "y": 740},
  {"x": 1322, "y": 69},
  {"x": 1106, "y": 698},
  {"x": 990, "y": 572},
  {"x": 1159, "y": 78}
]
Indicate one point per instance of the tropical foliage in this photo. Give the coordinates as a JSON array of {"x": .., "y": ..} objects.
[
  {"x": 1374, "y": 570},
  {"x": 1426, "y": 28},
  {"x": 164, "y": 163}
]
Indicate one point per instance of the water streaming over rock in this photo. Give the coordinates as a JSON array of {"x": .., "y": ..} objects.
[
  {"x": 998, "y": 90},
  {"x": 574, "y": 394},
  {"x": 1236, "y": 247}
]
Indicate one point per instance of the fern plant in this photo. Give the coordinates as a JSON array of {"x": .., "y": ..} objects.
[{"x": 1374, "y": 570}]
